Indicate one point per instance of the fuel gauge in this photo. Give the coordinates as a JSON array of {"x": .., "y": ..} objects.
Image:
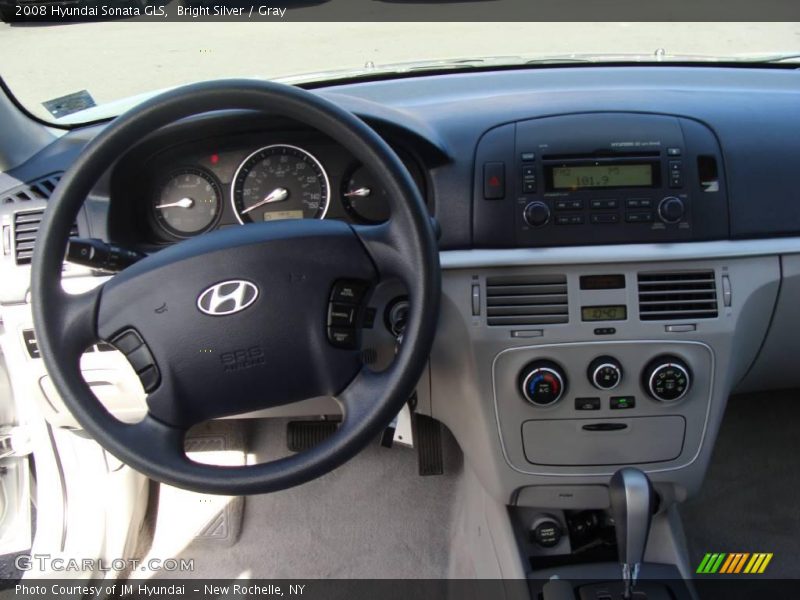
[{"x": 363, "y": 199}]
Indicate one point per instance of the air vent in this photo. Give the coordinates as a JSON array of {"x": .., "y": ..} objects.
[
  {"x": 671, "y": 295},
  {"x": 26, "y": 227},
  {"x": 41, "y": 189},
  {"x": 526, "y": 300}
]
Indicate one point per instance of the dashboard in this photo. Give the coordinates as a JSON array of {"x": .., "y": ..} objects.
[
  {"x": 195, "y": 182},
  {"x": 620, "y": 246}
]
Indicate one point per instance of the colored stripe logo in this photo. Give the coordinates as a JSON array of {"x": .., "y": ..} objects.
[{"x": 734, "y": 563}]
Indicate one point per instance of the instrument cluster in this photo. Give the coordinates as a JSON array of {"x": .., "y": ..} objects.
[{"x": 199, "y": 187}]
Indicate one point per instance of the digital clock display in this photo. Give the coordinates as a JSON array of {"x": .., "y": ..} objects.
[
  {"x": 604, "y": 313},
  {"x": 602, "y": 176}
]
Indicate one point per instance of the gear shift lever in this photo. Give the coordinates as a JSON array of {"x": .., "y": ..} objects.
[{"x": 632, "y": 501}]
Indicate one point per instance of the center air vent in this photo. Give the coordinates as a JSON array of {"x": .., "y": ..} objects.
[
  {"x": 526, "y": 299},
  {"x": 26, "y": 228},
  {"x": 671, "y": 295}
]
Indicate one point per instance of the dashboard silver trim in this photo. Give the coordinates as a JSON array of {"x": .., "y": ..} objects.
[{"x": 620, "y": 253}]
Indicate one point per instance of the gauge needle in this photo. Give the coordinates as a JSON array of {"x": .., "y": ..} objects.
[
  {"x": 275, "y": 195},
  {"x": 182, "y": 203},
  {"x": 361, "y": 192}
]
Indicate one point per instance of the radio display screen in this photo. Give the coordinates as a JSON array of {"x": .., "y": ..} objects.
[
  {"x": 604, "y": 313},
  {"x": 601, "y": 176}
]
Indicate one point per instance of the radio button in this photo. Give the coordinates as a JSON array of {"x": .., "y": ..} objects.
[
  {"x": 675, "y": 174},
  {"x": 529, "y": 171},
  {"x": 569, "y": 220},
  {"x": 605, "y": 219},
  {"x": 639, "y": 217},
  {"x": 569, "y": 204},
  {"x": 604, "y": 204},
  {"x": 638, "y": 203},
  {"x": 673, "y": 151}
]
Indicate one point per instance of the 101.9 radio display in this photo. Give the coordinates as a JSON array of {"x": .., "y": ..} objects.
[
  {"x": 616, "y": 312},
  {"x": 601, "y": 176}
]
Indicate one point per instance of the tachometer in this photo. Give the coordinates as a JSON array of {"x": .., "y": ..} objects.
[
  {"x": 280, "y": 182},
  {"x": 188, "y": 202}
]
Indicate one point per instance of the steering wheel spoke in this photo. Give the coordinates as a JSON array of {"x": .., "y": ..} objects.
[{"x": 77, "y": 323}]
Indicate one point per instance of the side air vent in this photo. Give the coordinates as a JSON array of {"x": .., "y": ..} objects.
[
  {"x": 26, "y": 228},
  {"x": 41, "y": 189},
  {"x": 671, "y": 295},
  {"x": 526, "y": 300}
]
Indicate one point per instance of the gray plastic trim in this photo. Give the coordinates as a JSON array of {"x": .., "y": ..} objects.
[{"x": 621, "y": 253}]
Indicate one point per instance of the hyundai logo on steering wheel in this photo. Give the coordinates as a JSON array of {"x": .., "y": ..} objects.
[{"x": 227, "y": 297}]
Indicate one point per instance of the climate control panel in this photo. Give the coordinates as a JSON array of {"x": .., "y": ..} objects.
[
  {"x": 666, "y": 378},
  {"x": 586, "y": 407}
]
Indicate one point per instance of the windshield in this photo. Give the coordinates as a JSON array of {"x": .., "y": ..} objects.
[{"x": 59, "y": 72}]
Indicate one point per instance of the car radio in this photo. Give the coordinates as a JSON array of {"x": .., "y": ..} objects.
[{"x": 598, "y": 178}]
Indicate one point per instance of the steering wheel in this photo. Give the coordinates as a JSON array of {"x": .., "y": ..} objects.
[{"x": 236, "y": 320}]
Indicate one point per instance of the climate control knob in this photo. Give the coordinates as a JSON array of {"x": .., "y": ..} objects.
[
  {"x": 667, "y": 378},
  {"x": 536, "y": 214},
  {"x": 605, "y": 373},
  {"x": 542, "y": 382},
  {"x": 671, "y": 209}
]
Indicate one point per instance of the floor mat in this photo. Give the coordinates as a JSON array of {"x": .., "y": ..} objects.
[
  {"x": 374, "y": 517},
  {"x": 749, "y": 500},
  {"x": 178, "y": 518}
]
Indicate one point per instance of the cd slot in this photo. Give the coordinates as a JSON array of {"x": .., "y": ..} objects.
[{"x": 603, "y": 154}]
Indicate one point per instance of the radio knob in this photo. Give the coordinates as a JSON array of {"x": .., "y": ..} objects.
[
  {"x": 542, "y": 382},
  {"x": 536, "y": 214},
  {"x": 671, "y": 209},
  {"x": 605, "y": 373},
  {"x": 667, "y": 378}
]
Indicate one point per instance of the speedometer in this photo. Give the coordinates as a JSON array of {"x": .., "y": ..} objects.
[{"x": 280, "y": 182}]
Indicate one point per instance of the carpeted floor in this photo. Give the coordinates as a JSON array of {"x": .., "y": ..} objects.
[
  {"x": 750, "y": 500},
  {"x": 374, "y": 517}
]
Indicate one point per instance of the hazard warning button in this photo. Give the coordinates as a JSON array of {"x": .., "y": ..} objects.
[{"x": 494, "y": 180}]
